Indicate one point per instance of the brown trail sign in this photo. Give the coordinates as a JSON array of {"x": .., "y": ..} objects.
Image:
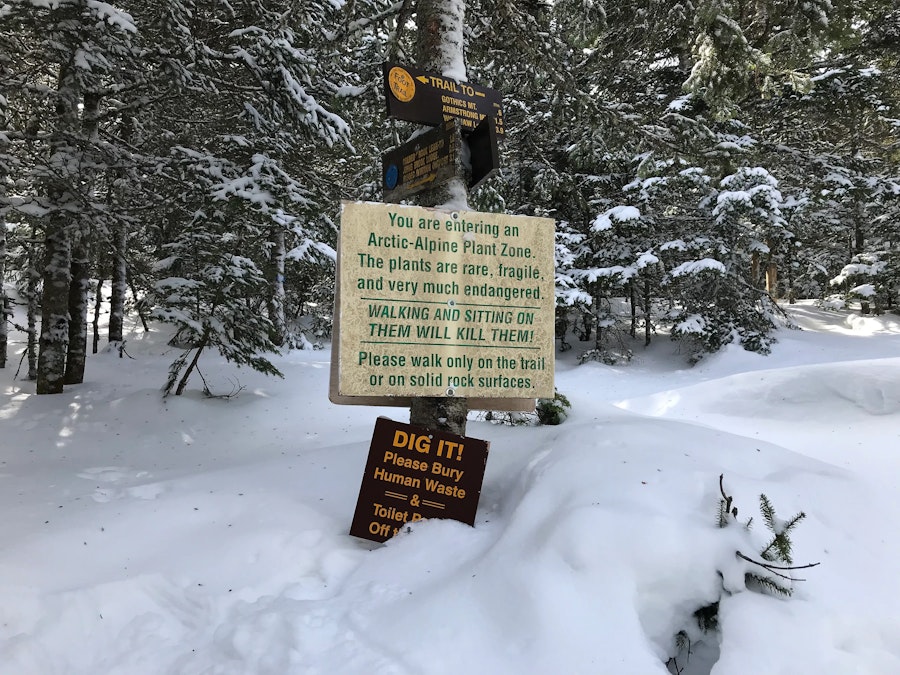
[
  {"x": 428, "y": 98},
  {"x": 412, "y": 474}
]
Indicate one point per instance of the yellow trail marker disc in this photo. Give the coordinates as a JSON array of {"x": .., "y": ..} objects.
[{"x": 402, "y": 84}]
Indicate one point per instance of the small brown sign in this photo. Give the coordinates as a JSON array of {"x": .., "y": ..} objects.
[
  {"x": 428, "y": 98},
  {"x": 412, "y": 474},
  {"x": 483, "y": 152},
  {"x": 426, "y": 161},
  {"x": 432, "y": 159}
]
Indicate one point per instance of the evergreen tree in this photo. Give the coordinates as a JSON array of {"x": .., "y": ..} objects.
[
  {"x": 253, "y": 172},
  {"x": 211, "y": 302}
]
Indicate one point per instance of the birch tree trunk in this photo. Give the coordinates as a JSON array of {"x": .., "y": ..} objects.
[{"x": 440, "y": 49}]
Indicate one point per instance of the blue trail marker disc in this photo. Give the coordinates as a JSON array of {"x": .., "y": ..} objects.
[{"x": 391, "y": 177}]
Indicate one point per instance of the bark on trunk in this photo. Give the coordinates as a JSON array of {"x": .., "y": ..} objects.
[
  {"x": 754, "y": 269},
  {"x": 632, "y": 298},
  {"x": 772, "y": 280},
  {"x": 789, "y": 271},
  {"x": 31, "y": 290},
  {"x": 119, "y": 285},
  {"x": 57, "y": 245},
  {"x": 78, "y": 308},
  {"x": 276, "y": 286},
  {"x": 54, "y": 337},
  {"x": 79, "y": 286},
  {"x": 771, "y": 271},
  {"x": 648, "y": 298},
  {"x": 859, "y": 234},
  {"x": 193, "y": 364},
  {"x": 439, "y": 45},
  {"x": 98, "y": 300},
  {"x": 3, "y": 302},
  {"x": 139, "y": 306},
  {"x": 119, "y": 264}
]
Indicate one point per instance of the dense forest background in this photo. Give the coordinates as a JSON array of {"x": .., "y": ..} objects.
[{"x": 185, "y": 161}]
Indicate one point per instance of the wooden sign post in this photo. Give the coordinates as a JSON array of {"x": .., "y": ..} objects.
[{"x": 438, "y": 308}]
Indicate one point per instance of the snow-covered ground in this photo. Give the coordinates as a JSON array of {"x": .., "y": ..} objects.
[{"x": 193, "y": 535}]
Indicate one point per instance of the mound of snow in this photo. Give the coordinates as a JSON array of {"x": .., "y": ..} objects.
[{"x": 853, "y": 389}]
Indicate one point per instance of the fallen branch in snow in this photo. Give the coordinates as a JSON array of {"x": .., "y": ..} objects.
[
  {"x": 236, "y": 389},
  {"x": 772, "y": 568}
]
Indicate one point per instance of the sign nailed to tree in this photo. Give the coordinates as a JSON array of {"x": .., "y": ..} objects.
[
  {"x": 432, "y": 159},
  {"x": 445, "y": 304},
  {"x": 428, "y": 98},
  {"x": 427, "y": 160}
]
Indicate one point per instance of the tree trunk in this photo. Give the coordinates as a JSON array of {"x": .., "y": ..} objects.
[
  {"x": 439, "y": 44},
  {"x": 4, "y": 339},
  {"x": 3, "y": 301},
  {"x": 139, "y": 306},
  {"x": 772, "y": 280},
  {"x": 98, "y": 300},
  {"x": 771, "y": 271},
  {"x": 57, "y": 245},
  {"x": 859, "y": 233},
  {"x": 648, "y": 298},
  {"x": 54, "y": 336},
  {"x": 31, "y": 290},
  {"x": 119, "y": 285},
  {"x": 789, "y": 270},
  {"x": 193, "y": 364},
  {"x": 276, "y": 286},
  {"x": 119, "y": 264},
  {"x": 79, "y": 286},
  {"x": 632, "y": 298}
]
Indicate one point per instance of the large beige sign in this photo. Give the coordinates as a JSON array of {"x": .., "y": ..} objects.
[{"x": 436, "y": 303}]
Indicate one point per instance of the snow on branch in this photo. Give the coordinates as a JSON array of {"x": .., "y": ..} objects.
[
  {"x": 618, "y": 213},
  {"x": 697, "y": 266},
  {"x": 113, "y": 15}
]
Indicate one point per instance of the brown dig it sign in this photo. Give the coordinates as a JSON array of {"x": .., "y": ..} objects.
[{"x": 412, "y": 474}]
